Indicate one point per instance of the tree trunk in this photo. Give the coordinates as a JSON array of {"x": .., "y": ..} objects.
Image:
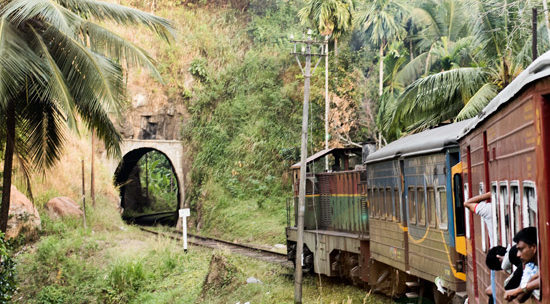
[
  {"x": 545, "y": 6},
  {"x": 336, "y": 52},
  {"x": 381, "y": 61},
  {"x": 411, "y": 49},
  {"x": 8, "y": 164}
]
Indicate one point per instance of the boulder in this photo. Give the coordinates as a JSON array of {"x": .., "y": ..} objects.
[
  {"x": 23, "y": 216},
  {"x": 63, "y": 206}
]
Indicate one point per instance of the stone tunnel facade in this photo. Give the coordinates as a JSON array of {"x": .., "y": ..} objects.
[{"x": 133, "y": 149}]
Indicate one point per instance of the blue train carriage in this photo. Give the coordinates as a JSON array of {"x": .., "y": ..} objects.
[
  {"x": 412, "y": 213},
  {"x": 335, "y": 222}
]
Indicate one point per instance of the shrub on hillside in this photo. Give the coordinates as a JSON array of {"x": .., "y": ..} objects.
[{"x": 7, "y": 272}]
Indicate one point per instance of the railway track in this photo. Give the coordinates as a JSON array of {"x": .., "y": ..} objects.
[{"x": 242, "y": 249}]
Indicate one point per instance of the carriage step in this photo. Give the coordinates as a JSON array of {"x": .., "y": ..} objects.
[
  {"x": 411, "y": 295},
  {"x": 412, "y": 284}
]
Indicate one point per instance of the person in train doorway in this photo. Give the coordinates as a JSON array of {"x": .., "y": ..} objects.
[
  {"x": 526, "y": 240},
  {"x": 478, "y": 205}
]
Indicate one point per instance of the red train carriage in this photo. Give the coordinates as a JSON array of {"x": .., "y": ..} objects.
[{"x": 506, "y": 150}]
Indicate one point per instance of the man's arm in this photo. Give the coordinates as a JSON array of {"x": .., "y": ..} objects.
[
  {"x": 534, "y": 283},
  {"x": 471, "y": 203}
]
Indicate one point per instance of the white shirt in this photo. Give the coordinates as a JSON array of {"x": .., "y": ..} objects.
[{"x": 484, "y": 210}]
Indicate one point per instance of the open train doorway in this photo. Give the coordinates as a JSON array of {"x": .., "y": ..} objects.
[{"x": 149, "y": 188}]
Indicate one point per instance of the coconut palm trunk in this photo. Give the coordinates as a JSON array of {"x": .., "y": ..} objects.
[
  {"x": 8, "y": 165},
  {"x": 381, "y": 73}
]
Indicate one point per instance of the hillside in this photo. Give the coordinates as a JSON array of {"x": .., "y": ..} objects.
[{"x": 236, "y": 93}]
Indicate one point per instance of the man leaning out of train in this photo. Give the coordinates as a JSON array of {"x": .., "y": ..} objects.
[
  {"x": 526, "y": 240},
  {"x": 499, "y": 258},
  {"x": 478, "y": 205}
]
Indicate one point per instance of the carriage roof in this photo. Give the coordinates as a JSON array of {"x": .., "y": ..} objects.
[
  {"x": 540, "y": 68},
  {"x": 428, "y": 141}
]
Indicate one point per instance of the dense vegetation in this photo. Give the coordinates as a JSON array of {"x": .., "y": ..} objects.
[{"x": 400, "y": 66}]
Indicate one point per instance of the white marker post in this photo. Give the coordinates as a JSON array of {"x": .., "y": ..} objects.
[{"x": 184, "y": 213}]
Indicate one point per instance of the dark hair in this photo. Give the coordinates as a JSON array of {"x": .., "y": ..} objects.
[
  {"x": 527, "y": 235},
  {"x": 513, "y": 257},
  {"x": 492, "y": 261}
]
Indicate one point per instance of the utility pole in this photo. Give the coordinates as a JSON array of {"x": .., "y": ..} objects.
[
  {"x": 327, "y": 105},
  {"x": 92, "y": 175},
  {"x": 306, "y": 51},
  {"x": 83, "y": 195}
]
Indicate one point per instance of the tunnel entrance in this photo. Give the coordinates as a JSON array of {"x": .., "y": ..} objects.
[{"x": 149, "y": 188}]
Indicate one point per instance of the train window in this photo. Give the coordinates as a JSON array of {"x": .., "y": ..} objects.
[
  {"x": 466, "y": 210},
  {"x": 412, "y": 205},
  {"x": 459, "y": 205},
  {"x": 383, "y": 202},
  {"x": 370, "y": 199},
  {"x": 389, "y": 204},
  {"x": 504, "y": 206},
  {"x": 421, "y": 206},
  {"x": 373, "y": 202},
  {"x": 443, "y": 214},
  {"x": 530, "y": 203},
  {"x": 516, "y": 207},
  {"x": 396, "y": 202},
  {"x": 431, "y": 207},
  {"x": 496, "y": 215}
]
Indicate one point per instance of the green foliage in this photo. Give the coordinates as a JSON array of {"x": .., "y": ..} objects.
[
  {"x": 163, "y": 185},
  {"x": 198, "y": 69},
  {"x": 124, "y": 280},
  {"x": 53, "y": 294},
  {"x": 7, "y": 272}
]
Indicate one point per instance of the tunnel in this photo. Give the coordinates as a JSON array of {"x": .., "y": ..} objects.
[{"x": 142, "y": 204}]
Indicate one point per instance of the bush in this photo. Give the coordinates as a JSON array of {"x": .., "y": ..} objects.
[
  {"x": 53, "y": 294},
  {"x": 7, "y": 272},
  {"x": 124, "y": 280}
]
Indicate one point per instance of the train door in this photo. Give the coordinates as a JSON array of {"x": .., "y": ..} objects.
[{"x": 458, "y": 206}]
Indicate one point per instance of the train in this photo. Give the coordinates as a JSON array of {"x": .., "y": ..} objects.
[{"x": 394, "y": 219}]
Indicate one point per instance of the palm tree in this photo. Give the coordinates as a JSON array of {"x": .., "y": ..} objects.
[
  {"x": 383, "y": 20},
  {"x": 476, "y": 66},
  {"x": 330, "y": 17},
  {"x": 58, "y": 62}
]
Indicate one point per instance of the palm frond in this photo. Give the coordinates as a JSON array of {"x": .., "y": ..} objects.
[
  {"x": 88, "y": 74},
  {"x": 56, "y": 89},
  {"x": 109, "y": 44},
  {"x": 20, "y": 11},
  {"x": 480, "y": 99},
  {"x": 440, "y": 96},
  {"x": 17, "y": 62},
  {"x": 105, "y": 11},
  {"x": 414, "y": 69}
]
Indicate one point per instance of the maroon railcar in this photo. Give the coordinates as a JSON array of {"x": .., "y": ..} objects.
[{"x": 506, "y": 150}]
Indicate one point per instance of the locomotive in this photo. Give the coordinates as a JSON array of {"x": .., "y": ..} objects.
[{"x": 394, "y": 218}]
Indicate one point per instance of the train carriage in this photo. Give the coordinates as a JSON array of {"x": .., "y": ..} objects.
[
  {"x": 412, "y": 218},
  {"x": 505, "y": 150},
  {"x": 335, "y": 219}
]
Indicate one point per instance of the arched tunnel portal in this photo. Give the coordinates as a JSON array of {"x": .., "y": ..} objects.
[{"x": 125, "y": 175}]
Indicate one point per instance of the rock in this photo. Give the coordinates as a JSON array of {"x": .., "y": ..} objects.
[
  {"x": 253, "y": 280},
  {"x": 63, "y": 206},
  {"x": 23, "y": 216},
  {"x": 279, "y": 246},
  {"x": 139, "y": 100}
]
